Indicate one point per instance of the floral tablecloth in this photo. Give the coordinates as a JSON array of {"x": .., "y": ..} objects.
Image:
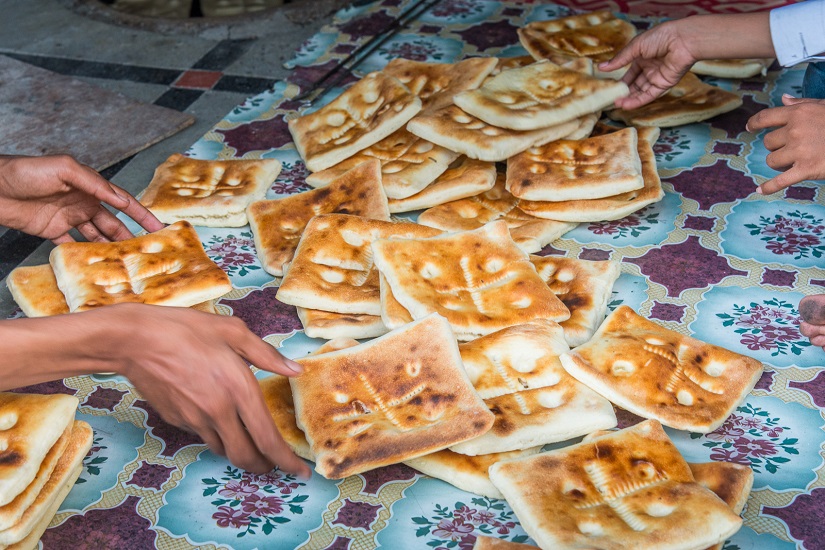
[{"x": 712, "y": 259}]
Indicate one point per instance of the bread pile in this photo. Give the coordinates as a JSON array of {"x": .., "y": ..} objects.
[{"x": 43, "y": 448}]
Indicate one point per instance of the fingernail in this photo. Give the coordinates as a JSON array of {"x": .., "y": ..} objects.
[
  {"x": 296, "y": 367},
  {"x": 747, "y": 127},
  {"x": 121, "y": 194},
  {"x": 789, "y": 96},
  {"x": 603, "y": 64},
  {"x": 306, "y": 474},
  {"x": 759, "y": 190}
]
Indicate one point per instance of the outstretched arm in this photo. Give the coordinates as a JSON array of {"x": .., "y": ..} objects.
[
  {"x": 190, "y": 366},
  {"x": 48, "y": 196},
  {"x": 661, "y": 56}
]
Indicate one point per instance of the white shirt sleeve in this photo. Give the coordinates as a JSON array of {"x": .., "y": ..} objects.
[{"x": 798, "y": 32}]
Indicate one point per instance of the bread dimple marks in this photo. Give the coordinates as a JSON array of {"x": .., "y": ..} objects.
[
  {"x": 152, "y": 247},
  {"x": 333, "y": 277},
  {"x": 412, "y": 368},
  {"x": 430, "y": 271},
  {"x": 714, "y": 369},
  {"x": 684, "y": 397},
  {"x": 352, "y": 238},
  {"x": 551, "y": 399},
  {"x": 621, "y": 367},
  {"x": 340, "y": 397},
  {"x": 8, "y": 420},
  {"x": 461, "y": 118},
  {"x": 681, "y": 373},
  {"x": 659, "y": 509},
  {"x": 521, "y": 303},
  {"x": 591, "y": 528}
]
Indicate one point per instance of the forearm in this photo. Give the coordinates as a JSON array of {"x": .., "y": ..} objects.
[
  {"x": 737, "y": 36},
  {"x": 52, "y": 348}
]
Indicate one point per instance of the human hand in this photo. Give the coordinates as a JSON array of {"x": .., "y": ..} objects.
[
  {"x": 797, "y": 143},
  {"x": 658, "y": 59},
  {"x": 48, "y": 196},
  {"x": 190, "y": 366}
]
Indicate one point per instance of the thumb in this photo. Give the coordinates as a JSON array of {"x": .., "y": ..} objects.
[
  {"x": 624, "y": 57},
  {"x": 788, "y": 99}
]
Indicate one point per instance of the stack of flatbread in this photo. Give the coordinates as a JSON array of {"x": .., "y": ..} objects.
[
  {"x": 168, "y": 267},
  {"x": 42, "y": 456}
]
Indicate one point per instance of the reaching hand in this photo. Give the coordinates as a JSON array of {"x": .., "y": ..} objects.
[
  {"x": 48, "y": 196},
  {"x": 658, "y": 59},
  {"x": 190, "y": 366},
  {"x": 797, "y": 143}
]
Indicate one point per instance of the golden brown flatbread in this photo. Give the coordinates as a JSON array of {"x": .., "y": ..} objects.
[
  {"x": 479, "y": 280},
  {"x": 437, "y": 83},
  {"x": 35, "y": 290},
  {"x": 393, "y": 314},
  {"x": 214, "y": 193},
  {"x": 333, "y": 268},
  {"x": 408, "y": 164},
  {"x": 370, "y": 110},
  {"x": 168, "y": 267},
  {"x": 329, "y": 325},
  {"x": 629, "y": 489},
  {"x": 539, "y": 95},
  {"x": 608, "y": 208},
  {"x": 391, "y": 399},
  {"x": 278, "y": 398},
  {"x": 531, "y": 234},
  {"x": 657, "y": 373},
  {"x": 732, "y": 68},
  {"x": 590, "y": 168},
  {"x": 691, "y": 100},
  {"x": 583, "y": 286},
  {"x": 466, "y": 177},
  {"x": 277, "y": 225}
]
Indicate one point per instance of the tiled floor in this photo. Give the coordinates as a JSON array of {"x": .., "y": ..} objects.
[{"x": 194, "y": 73}]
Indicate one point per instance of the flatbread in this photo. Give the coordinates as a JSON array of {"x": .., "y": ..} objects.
[
  {"x": 539, "y": 95},
  {"x": 408, "y": 164},
  {"x": 35, "y": 290},
  {"x": 468, "y": 473},
  {"x": 277, "y": 224},
  {"x": 364, "y": 114},
  {"x": 630, "y": 489},
  {"x": 732, "y": 68},
  {"x": 329, "y": 325},
  {"x": 30, "y": 425},
  {"x": 591, "y": 168},
  {"x": 459, "y": 131},
  {"x": 393, "y": 314},
  {"x": 657, "y": 373},
  {"x": 168, "y": 267},
  {"x": 531, "y": 234},
  {"x": 479, "y": 280},
  {"x": 585, "y": 287},
  {"x": 691, "y": 100},
  {"x": 37, "y": 517},
  {"x": 278, "y": 398},
  {"x": 333, "y": 268},
  {"x": 214, "y": 193},
  {"x": 518, "y": 374},
  {"x": 391, "y": 399},
  {"x": 586, "y": 125},
  {"x": 492, "y": 543},
  {"x": 437, "y": 83},
  {"x": 507, "y": 63},
  {"x": 466, "y": 177},
  {"x": 608, "y": 208}
]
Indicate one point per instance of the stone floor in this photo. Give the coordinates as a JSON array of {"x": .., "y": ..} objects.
[{"x": 203, "y": 73}]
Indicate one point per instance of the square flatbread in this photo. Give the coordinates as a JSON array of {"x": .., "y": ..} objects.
[
  {"x": 691, "y": 100},
  {"x": 333, "y": 269},
  {"x": 539, "y": 95},
  {"x": 391, "y": 399},
  {"x": 531, "y": 234},
  {"x": 437, "y": 83},
  {"x": 277, "y": 224},
  {"x": 507, "y": 63},
  {"x": 37, "y": 517},
  {"x": 732, "y": 68},
  {"x": 518, "y": 374},
  {"x": 278, "y": 398},
  {"x": 466, "y": 177},
  {"x": 455, "y": 129},
  {"x": 30, "y": 425},
  {"x": 608, "y": 208},
  {"x": 591, "y": 168},
  {"x": 329, "y": 325},
  {"x": 629, "y": 489},
  {"x": 479, "y": 280},
  {"x": 35, "y": 290},
  {"x": 585, "y": 287},
  {"x": 370, "y": 110},
  {"x": 408, "y": 164},
  {"x": 657, "y": 373},
  {"x": 168, "y": 267},
  {"x": 468, "y": 473},
  {"x": 214, "y": 193},
  {"x": 393, "y": 314}
]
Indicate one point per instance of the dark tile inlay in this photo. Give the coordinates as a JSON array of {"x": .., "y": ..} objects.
[
  {"x": 714, "y": 184},
  {"x": 700, "y": 223},
  {"x": 243, "y": 84},
  {"x": 97, "y": 69},
  {"x": 724, "y": 148},
  {"x": 594, "y": 254},
  {"x": 150, "y": 476},
  {"x": 490, "y": 35},
  {"x": 803, "y": 516},
  {"x": 800, "y": 192},
  {"x": 667, "y": 312},
  {"x": 778, "y": 277},
  {"x": 340, "y": 543},
  {"x": 818, "y": 282},
  {"x": 429, "y": 29},
  {"x": 178, "y": 98},
  {"x": 815, "y": 388},
  {"x": 118, "y": 527},
  {"x": 223, "y": 54},
  {"x": 355, "y": 514},
  {"x": 765, "y": 381},
  {"x": 104, "y": 398}
]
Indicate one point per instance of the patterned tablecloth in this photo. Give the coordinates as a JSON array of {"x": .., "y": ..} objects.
[{"x": 712, "y": 259}]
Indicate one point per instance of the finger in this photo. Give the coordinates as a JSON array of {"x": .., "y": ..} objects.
[
  {"x": 91, "y": 233},
  {"x": 109, "y": 225},
  {"x": 64, "y": 238},
  {"x": 255, "y": 416},
  {"x": 807, "y": 329},
  {"x": 625, "y": 56},
  {"x": 630, "y": 75},
  {"x": 788, "y": 99},
  {"x": 138, "y": 212},
  {"x": 240, "y": 448},
  {"x": 212, "y": 440},
  {"x": 768, "y": 118},
  {"x": 783, "y": 180},
  {"x": 256, "y": 351},
  {"x": 775, "y": 139},
  {"x": 87, "y": 180},
  {"x": 818, "y": 341},
  {"x": 781, "y": 159}
]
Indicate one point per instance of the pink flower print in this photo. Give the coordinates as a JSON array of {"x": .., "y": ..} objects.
[
  {"x": 630, "y": 221},
  {"x": 259, "y": 506},
  {"x": 753, "y": 320},
  {"x": 755, "y": 447},
  {"x": 801, "y": 240},
  {"x": 484, "y": 516},
  {"x": 783, "y": 334},
  {"x": 726, "y": 433},
  {"x": 465, "y": 514},
  {"x": 467, "y": 542},
  {"x": 751, "y": 422},
  {"x": 238, "y": 490},
  {"x": 452, "y": 530},
  {"x": 778, "y": 247},
  {"x": 778, "y": 229},
  {"x": 729, "y": 455},
  {"x": 229, "y": 517},
  {"x": 773, "y": 431},
  {"x": 504, "y": 528},
  {"x": 262, "y": 479},
  {"x": 757, "y": 342},
  {"x": 603, "y": 228}
]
